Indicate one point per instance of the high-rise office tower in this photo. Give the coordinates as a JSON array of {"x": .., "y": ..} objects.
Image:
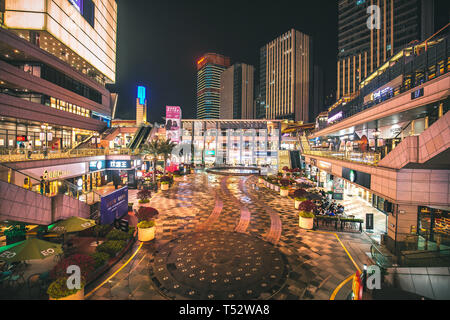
[
  {"x": 209, "y": 71},
  {"x": 285, "y": 75},
  {"x": 363, "y": 49},
  {"x": 236, "y": 100}
]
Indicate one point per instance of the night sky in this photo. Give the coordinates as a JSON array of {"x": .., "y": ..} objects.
[{"x": 159, "y": 43}]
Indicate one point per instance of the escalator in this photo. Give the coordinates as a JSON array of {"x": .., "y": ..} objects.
[{"x": 140, "y": 138}]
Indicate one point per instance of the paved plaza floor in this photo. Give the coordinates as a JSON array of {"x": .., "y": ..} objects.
[{"x": 228, "y": 238}]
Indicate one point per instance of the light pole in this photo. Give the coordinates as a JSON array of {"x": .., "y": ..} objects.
[
  {"x": 46, "y": 128},
  {"x": 376, "y": 134},
  {"x": 96, "y": 135}
]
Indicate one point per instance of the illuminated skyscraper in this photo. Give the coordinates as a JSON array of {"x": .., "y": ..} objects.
[
  {"x": 236, "y": 101},
  {"x": 362, "y": 50},
  {"x": 209, "y": 71},
  {"x": 285, "y": 75}
]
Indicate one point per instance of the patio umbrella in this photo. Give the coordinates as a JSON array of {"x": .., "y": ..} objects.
[
  {"x": 73, "y": 224},
  {"x": 31, "y": 249}
]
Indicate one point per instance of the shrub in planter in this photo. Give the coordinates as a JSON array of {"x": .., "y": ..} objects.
[
  {"x": 300, "y": 193},
  {"x": 101, "y": 258},
  {"x": 112, "y": 247},
  {"x": 285, "y": 169},
  {"x": 85, "y": 262},
  {"x": 306, "y": 215},
  {"x": 166, "y": 179},
  {"x": 146, "y": 224},
  {"x": 144, "y": 196},
  {"x": 115, "y": 234},
  {"x": 298, "y": 201},
  {"x": 99, "y": 230},
  {"x": 144, "y": 201},
  {"x": 285, "y": 182},
  {"x": 58, "y": 290},
  {"x": 280, "y": 175},
  {"x": 146, "y": 214}
]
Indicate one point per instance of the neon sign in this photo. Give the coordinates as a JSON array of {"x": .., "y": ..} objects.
[
  {"x": 77, "y": 4},
  {"x": 336, "y": 117},
  {"x": 142, "y": 94}
]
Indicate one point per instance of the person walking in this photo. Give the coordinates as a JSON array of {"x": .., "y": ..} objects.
[
  {"x": 29, "y": 150},
  {"x": 42, "y": 185}
]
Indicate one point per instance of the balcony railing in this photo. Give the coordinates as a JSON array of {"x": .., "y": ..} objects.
[
  {"x": 22, "y": 180},
  {"x": 368, "y": 158},
  {"x": 18, "y": 156}
]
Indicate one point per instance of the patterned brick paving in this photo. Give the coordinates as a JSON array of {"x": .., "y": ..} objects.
[{"x": 316, "y": 262}]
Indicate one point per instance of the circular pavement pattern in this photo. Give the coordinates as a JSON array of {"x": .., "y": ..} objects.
[{"x": 216, "y": 265}]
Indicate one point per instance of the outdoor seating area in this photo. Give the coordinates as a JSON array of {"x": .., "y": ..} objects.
[
  {"x": 328, "y": 214},
  {"x": 30, "y": 269}
]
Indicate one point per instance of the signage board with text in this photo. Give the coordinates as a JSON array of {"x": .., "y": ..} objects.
[{"x": 114, "y": 206}]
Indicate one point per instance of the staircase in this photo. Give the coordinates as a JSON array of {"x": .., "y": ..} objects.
[{"x": 432, "y": 147}]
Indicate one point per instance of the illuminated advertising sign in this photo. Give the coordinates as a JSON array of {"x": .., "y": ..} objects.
[
  {"x": 97, "y": 165},
  {"x": 118, "y": 164},
  {"x": 114, "y": 206},
  {"x": 173, "y": 123},
  {"x": 77, "y": 4},
  {"x": 142, "y": 95}
]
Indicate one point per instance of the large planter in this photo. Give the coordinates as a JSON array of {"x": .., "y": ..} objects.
[
  {"x": 306, "y": 223},
  {"x": 75, "y": 297},
  {"x": 284, "y": 192},
  {"x": 164, "y": 187},
  {"x": 146, "y": 235}
]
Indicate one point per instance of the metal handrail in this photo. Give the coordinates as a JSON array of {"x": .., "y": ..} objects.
[
  {"x": 30, "y": 183},
  {"x": 10, "y": 155},
  {"x": 369, "y": 158}
]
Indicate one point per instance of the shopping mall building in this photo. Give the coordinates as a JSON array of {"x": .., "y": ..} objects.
[
  {"x": 388, "y": 146},
  {"x": 239, "y": 142},
  {"x": 56, "y": 58}
]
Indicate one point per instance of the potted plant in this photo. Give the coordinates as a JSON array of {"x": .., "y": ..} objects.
[
  {"x": 59, "y": 290},
  {"x": 144, "y": 196},
  {"x": 284, "y": 192},
  {"x": 146, "y": 231},
  {"x": 298, "y": 201},
  {"x": 147, "y": 225},
  {"x": 306, "y": 215},
  {"x": 164, "y": 186}
]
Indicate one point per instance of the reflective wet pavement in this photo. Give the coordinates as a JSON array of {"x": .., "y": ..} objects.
[{"x": 226, "y": 238}]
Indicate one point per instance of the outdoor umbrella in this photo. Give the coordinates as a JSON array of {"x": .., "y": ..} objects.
[
  {"x": 31, "y": 249},
  {"x": 73, "y": 224}
]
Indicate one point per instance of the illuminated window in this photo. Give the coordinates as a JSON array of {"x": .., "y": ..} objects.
[{"x": 53, "y": 102}]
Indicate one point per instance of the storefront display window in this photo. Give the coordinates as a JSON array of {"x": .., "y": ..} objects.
[{"x": 434, "y": 225}]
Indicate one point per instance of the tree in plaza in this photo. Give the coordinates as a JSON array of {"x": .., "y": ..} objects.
[
  {"x": 166, "y": 149},
  {"x": 153, "y": 149}
]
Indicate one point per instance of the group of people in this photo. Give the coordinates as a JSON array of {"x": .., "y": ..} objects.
[
  {"x": 28, "y": 147},
  {"x": 326, "y": 207}
]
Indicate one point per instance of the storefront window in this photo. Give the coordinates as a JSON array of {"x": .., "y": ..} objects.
[{"x": 434, "y": 225}]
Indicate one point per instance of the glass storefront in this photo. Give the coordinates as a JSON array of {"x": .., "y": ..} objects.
[{"x": 434, "y": 225}]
